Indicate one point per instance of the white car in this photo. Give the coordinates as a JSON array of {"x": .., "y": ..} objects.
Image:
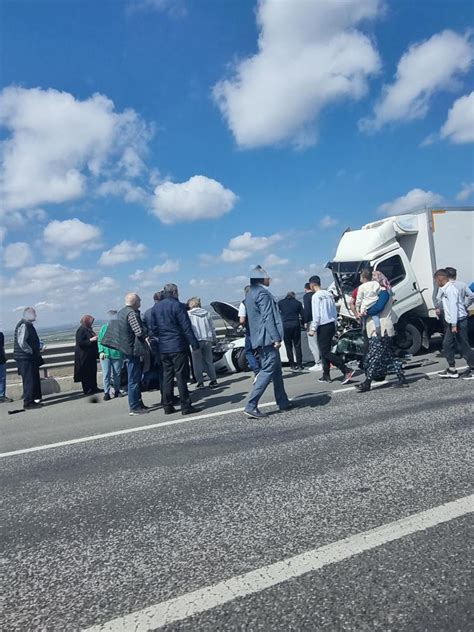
[{"x": 229, "y": 352}]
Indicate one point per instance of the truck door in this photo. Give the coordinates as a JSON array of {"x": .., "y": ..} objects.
[{"x": 406, "y": 293}]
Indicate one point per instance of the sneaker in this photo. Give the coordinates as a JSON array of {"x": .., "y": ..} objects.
[
  {"x": 138, "y": 411},
  {"x": 33, "y": 406},
  {"x": 106, "y": 397},
  {"x": 468, "y": 375},
  {"x": 449, "y": 373},
  {"x": 5, "y": 400},
  {"x": 120, "y": 394},
  {"x": 348, "y": 377},
  {"x": 200, "y": 385},
  {"x": 324, "y": 378},
  {"x": 316, "y": 367},
  {"x": 213, "y": 384},
  {"x": 300, "y": 368},
  {"x": 254, "y": 414}
]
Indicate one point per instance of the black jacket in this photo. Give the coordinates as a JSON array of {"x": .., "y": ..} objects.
[
  {"x": 85, "y": 354},
  {"x": 307, "y": 308},
  {"x": 3, "y": 357},
  {"x": 291, "y": 312},
  {"x": 171, "y": 325}
]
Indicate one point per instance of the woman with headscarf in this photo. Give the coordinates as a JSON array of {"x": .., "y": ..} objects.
[
  {"x": 85, "y": 356},
  {"x": 380, "y": 329}
]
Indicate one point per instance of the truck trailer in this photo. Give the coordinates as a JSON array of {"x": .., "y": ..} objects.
[{"x": 408, "y": 249}]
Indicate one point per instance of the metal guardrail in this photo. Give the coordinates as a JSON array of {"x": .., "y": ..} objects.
[{"x": 62, "y": 355}]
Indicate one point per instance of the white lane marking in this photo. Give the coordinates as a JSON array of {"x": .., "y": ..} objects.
[
  {"x": 209, "y": 597},
  {"x": 162, "y": 424}
]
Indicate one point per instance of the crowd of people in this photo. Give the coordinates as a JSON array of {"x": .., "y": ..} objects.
[{"x": 173, "y": 342}]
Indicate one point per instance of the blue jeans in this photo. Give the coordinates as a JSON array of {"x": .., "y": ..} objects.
[
  {"x": 134, "y": 372},
  {"x": 253, "y": 362},
  {"x": 270, "y": 372},
  {"x": 3, "y": 380},
  {"x": 111, "y": 368}
]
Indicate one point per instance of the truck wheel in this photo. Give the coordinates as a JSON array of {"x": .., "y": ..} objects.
[{"x": 408, "y": 339}]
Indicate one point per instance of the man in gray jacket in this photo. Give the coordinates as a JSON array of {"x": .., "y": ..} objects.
[{"x": 266, "y": 335}]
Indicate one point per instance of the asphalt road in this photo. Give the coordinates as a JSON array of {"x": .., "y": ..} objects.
[{"x": 97, "y": 529}]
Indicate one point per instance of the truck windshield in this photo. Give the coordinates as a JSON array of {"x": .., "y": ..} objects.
[{"x": 346, "y": 274}]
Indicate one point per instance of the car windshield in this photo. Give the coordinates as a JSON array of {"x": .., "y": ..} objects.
[{"x": 346, "y": 274}]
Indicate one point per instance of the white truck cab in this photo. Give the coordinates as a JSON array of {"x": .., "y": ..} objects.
[{"x": 408, "y": 249}]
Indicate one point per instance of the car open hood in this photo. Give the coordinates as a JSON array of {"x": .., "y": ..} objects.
[{"x": 229, "y": 313}]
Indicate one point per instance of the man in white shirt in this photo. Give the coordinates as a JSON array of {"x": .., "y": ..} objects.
[
  {"x": 455, "y": 315},
  {"x": 324, "y": 326}
]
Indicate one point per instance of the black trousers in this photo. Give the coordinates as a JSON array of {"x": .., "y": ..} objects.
[
  {"x": 292, "y": 338},
  {"x": 462, "y": 340},
  {"x": 30, "y": 376},
  {"x": 325, "y": 335},
  {"x": 175, "y": 365}
]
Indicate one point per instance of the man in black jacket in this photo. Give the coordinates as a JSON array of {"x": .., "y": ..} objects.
[
  {"x": 292, "y": 316},
  {"x": 27, "y": 354},
  {"x": 171, "y": 325},
  {"x": 3, "y": 372}
]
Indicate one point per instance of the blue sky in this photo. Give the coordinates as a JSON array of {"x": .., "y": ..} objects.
[{"x": 240, "y": 133}]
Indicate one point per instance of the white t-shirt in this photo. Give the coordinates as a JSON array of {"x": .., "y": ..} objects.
[{"x": 242, "y": 311}]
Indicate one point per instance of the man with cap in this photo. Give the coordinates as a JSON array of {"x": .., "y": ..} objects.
[{"x": 266, "y": 335}]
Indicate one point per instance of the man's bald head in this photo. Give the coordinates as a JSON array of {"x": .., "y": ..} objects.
[{"x": 133, "y": 300}]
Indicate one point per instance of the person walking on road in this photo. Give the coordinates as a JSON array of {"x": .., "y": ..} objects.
[
  {"x": 111, "y": 361},
  {"x": 455, "y": 315},
  {"x": 86, "y": 354},
  {"x": 27, "y": 355},
  {"x": 324, "y": 327},
  {"x": 205, "y": 333},
  {"x": 292, "y": 317},
  {"x": 3, "y": 372},
  {"x": 266, "y": 335},
  {"x": 128, "y": 335},
  {"x": 252, "y": 359},
  {"x": 307, "y": 320},
  {"x": 171, "y": 325}
]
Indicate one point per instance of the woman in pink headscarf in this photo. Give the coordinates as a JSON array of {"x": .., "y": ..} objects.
[{"x": 85, "y": 356}]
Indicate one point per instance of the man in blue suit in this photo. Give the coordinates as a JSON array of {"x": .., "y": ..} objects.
[{"x": 266, "y": 335}]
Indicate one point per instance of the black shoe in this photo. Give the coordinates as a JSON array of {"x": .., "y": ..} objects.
[
  {"x": 200, "y": 385},
  {"x": 170, "y": 410},
  {"x": 143, "y": 407},
  {"x": 213, "y": 384},
  {"x": 33, "y": 406},
  {"x": 190, "y": 410},
  {"x": 364, "y": 387},
  {"x": 5, "y": 400},
  {"x": 325, "y": 378},
  {"x": 138, "y": 411},
  {"x": 107, "y": 397},
  {"x": 119, "y": 394}
]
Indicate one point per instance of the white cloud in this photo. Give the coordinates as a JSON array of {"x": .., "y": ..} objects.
[
  {"x": 17, "y": 255},
  {"x": 71, "y": 237},
  {"x": 198, "y": 198},
  {"x": 310, "y": 54},
  {"x": 328, "y": 222},
  {"x": 57, "y": 145},
  {"x": 466, "y": 192},
  {"x": 131, "y": 193},
  {"x": 414, "y": 199},
  {"x": 175, "y": 8},
  {"x": 3, "y": 232},
  {"x": 274, "y": 260},
  {"x": 243, "y": 246},
  {"x": 45, "y": 305},
  {"x": 57, "y": 280},
  {"x": 459, "y": 126},
  {"x": 150, "y": 277},
  {"x": 104, "y": 285},
  {"x": 426, "y": 68},
  {"x": 121, "y": 253}
]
